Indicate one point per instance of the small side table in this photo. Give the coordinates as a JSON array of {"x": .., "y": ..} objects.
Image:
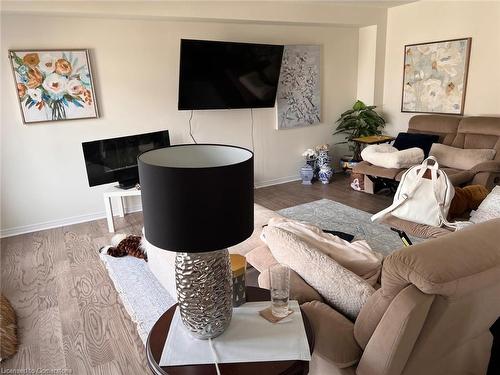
[
  {"x": 374, "y": 139},
  {"x": 159, "y": 332},
  {"x": 120, "y": 193}
]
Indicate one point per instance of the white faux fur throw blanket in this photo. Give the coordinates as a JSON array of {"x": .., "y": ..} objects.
[
  {"x": 388, "y": 156},
  {"x": 342, "y": 289},
  {"x": 357, "y": 256}
]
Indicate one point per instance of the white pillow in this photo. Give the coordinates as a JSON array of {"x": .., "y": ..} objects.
[
  {"x": 345, "y": 291},
  {"x": 488, "y": 209},
  {"x": 460, "y": 158},
  {"x": 387, "y": 156}
]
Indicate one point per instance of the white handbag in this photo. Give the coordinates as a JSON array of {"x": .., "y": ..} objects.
[{"x": 422, "y": 200}]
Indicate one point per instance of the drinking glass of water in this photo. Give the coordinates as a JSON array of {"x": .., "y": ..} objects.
[{"x": 279, "y": 276}]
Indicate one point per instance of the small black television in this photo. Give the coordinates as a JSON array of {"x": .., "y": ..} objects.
[
  {"x": 228, "y": 75},
  {"x": 115, "y": 159}
]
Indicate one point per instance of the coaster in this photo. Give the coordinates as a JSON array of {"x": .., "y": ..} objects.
[{"x": 268, "y": 315}]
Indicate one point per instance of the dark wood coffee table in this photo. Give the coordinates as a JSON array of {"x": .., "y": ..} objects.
[{"x": 159, "y": 332}]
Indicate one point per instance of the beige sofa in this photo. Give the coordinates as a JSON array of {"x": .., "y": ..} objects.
[
  {"x": 431, "y": 315},
  {"x": 455, "y": 131}
]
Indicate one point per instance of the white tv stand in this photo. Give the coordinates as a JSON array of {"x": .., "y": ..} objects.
[{"x": 112, "y": 192}]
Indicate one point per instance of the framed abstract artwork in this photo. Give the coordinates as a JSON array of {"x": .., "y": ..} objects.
[
  {"x": 54, "y": 85},
  {"x": 435, "y": 76},
  {"x": 298, "y": 96}
]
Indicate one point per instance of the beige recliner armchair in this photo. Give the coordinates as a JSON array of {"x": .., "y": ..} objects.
[{"x": 431, "y": 315}]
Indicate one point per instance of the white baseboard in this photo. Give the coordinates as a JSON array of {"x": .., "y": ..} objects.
[
  {"x": 276, "y": 181},
  {"x": 9, "y": 232}
]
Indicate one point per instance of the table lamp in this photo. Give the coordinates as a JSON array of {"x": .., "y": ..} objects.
[{"x": 197, "y": 200}]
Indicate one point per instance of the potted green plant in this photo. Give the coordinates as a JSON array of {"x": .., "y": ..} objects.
[{"x": 360, "y": 121}]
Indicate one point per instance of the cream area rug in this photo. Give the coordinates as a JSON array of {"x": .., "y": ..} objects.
[{"x": 142, "y": 295}]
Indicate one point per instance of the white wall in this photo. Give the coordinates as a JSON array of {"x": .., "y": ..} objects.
[
  {"x": 367, "y": 57},
  {"x": 439, "y": 20},
  {"x": 135, "y": 65}
]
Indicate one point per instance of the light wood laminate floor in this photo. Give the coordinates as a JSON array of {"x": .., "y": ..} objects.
[{"x": 69, "y": 314}]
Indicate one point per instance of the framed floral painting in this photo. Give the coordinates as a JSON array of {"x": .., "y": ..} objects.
[
  {"x": 435, "y": 76},
  {"x": 54, "y": 85}
]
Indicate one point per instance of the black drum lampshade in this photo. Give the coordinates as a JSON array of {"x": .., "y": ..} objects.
[{"x": 197, "y": 197}]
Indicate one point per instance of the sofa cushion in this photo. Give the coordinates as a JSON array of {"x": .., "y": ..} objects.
[
  {"x": 478, "y": 132},
  {"x": 443, "y": 126},
  {"x": 299, "y": 289},
  {"x": 492, "y": 166},
  {"x": 480, "y": 125},
  {"x": 451, "y": 265},
  {"x": 334, "y": 336},
  {"x": 423, "y": 141},
  {"x": 343, "y": 290},
  {"x": 457, "y": 176},
  {"x": 393, "y": 340},
  {"x": 261, "y": 258},
  {"x": 459, "y": 158},
  {"x": 387, "y": 156},
  {"x": 415, "y": 229},
  {"x": 370, "y": 316}
]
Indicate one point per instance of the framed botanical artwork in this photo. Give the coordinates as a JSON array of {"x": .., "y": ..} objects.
[
  {"x": 435, "y": 76},
  {"x": 54, "y": 85}
]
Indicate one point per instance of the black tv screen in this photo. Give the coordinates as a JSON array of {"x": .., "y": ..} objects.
[
  {"x": 115, "y": 159},
  {"x": 227, "y": 75}
]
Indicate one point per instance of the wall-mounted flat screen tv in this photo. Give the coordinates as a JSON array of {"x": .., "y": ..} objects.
[
  {"x": 115, "y": 159},
  {"x": 228, "y": 75}
]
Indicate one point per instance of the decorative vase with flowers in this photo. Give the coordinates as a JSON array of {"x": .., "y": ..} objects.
[
  {"x": 308, "y": 170},
  {"x": 325, "y": 172}
]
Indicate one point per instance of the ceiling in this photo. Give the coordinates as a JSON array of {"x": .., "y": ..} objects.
[{"x": 363, "y": 3}]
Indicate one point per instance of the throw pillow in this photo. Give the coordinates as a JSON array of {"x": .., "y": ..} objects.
[
  {"x": 423, "y": 141},
  {"x": 460, "y": 158},
  {"x": 466, "y": 199},
  {"x": 387, "y": 156},
  {"x": 489, "y": 209},
  {"x": 345, "y": 291}
]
